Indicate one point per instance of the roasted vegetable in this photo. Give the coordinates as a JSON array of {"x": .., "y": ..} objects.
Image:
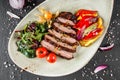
[
  {"x": 92, "y": 34},
  {"x": 83, "y": 12},
  {"x": 89, "y": 27},
  {"x": 85, "y": 22}
]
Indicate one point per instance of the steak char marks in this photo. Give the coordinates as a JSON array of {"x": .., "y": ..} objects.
[{"x": 62, "y": 37}]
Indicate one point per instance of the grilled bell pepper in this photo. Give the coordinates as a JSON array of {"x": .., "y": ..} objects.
[
  {"x": 83, "y": 12},
  {"x": 89, "y": 26},
  {"x": 85, "y": 22},
  {"x": 93, "y": 34},
  {"x": 88, "y": 42},
  {"x": 91, "y": 39}
]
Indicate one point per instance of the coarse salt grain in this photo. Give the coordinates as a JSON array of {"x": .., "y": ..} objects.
[
  {"x": 6, "y": 66},
  {"x": 5, "y": 63},
  {"x": 9, "y": 65},
  {"x": 117, "y": 14},
  {"x": 75, "y": 79},
  {"x": 15, "y": 68},
  {"x": 111, "y": 74}
]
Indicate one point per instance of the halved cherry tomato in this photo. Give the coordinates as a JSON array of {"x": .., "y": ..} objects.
[
  {"x": 51, "y": 58},
  {"x": 41, "y": 52}
]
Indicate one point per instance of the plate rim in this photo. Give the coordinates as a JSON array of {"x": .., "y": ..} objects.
[{"x": 112, "y": 1}]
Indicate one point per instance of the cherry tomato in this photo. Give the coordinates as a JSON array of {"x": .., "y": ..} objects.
[
  {"x": 51, "y": 58},
  {"x": 41, "y": 52}
]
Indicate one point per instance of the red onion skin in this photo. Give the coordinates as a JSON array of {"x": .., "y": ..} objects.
[
  {"x": 100, "y": 68},
  {"x": 17, "y": 4},
  {"x": 106, "y": 48}
]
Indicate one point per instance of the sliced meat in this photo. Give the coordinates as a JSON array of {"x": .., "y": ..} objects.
[
  {"x": 59, "y": 43},
  {"x": 54, "y": 49},
  {"x": 62, "y": 36},
  {"x": 67, "y": 15},
  {"x": 65, "y": 21},
  {"x": 63, "y": 28}
]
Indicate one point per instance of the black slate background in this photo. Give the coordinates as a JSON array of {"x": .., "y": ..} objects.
[{"x": 9, "y": 71}]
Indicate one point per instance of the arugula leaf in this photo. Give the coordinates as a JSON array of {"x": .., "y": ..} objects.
[{"x": 28, "y": 38}]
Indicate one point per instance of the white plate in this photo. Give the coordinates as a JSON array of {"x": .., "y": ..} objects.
[{"x": 62, "y": 66}]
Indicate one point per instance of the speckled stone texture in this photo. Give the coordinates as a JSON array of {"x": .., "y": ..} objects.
[{"x": 9, "y": 71}]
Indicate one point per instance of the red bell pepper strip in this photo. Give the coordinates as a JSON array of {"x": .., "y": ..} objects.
[
  {"x": 93, "y": 34},
  {"x": 86, "y": 21},
  {"x": 83, "y": 24},
  {"x": 84, "y": 12}
]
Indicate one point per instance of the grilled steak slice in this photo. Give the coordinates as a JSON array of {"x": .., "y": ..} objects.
[
  {"x": 59, "y": 43},
  {"x": 66, "y": 15},
  {"x": 65, "y": 21},
  {"x": 54, "y": 49},
  {"x": 63, "y": 28},
  {"x": 64, "y": 37}
]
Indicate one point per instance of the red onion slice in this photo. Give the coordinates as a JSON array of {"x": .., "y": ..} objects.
[
  {"x": 99, "y": 68},
  {"x": 80, "y": 33},
  {"x": 106, "y": 48},
  {"x": 12, "y": 15},
  {"x": 17, "y": 4}
]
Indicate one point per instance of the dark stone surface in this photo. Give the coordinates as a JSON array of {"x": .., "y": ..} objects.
[{"x": 9, "y": 71}]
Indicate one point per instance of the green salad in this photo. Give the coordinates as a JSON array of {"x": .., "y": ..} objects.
[{"x": 28, "y": 39}]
